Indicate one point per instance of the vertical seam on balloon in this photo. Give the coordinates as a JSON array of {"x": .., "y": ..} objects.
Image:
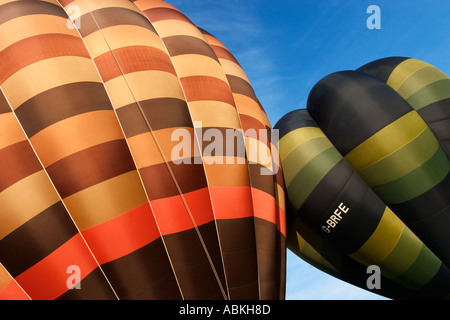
[
  {"x": 56, "y": 190},
  {"x": 118, "y": 121},
  {"x": 225, "y": 295},
  {"x": 167, "y": 165},
  {"x": 248, "y": 167}
]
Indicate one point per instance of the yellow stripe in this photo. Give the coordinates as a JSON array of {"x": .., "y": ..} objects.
[
  {"x": 24, "y": 200},
  {"x": 402, "y": 161},
  {"x": 419, "y": 80},
  {"x": 296, "y": 137},
  {"x": 106, "y": 200},
  {"x": 386, "y": 141},
  {"x": 382, "y": 241},
  {"x": 403, "y": 71}
]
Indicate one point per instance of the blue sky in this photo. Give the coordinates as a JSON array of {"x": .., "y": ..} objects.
[{"x": 285, "y": 47}]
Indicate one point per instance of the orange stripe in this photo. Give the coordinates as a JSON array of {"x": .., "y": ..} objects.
[
  {"x": 37, "y": 48},
  {"x": 173, "y": 217},
  {"x": 231, "y": 202},
  {"x": 13, "y": 292},
  {"x": 47, "y": 279},
  {"x": 123, "y": 234},
  {"x": 132, "y": 59},
  {"x": 206, "y": 88},
  {"x": 265, "y": 208}
]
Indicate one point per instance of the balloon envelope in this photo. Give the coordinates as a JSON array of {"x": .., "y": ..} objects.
[
  {"x": 359, "y": 154},
  {"x": 114, "y": 183}
]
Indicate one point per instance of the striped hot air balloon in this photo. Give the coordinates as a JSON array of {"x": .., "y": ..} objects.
[
  {"x": 110, "y": 186},
  {"x": 367, "y": 175}
]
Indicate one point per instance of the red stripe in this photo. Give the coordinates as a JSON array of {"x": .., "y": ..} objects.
[
  {"x": 12, "y": 291},
  {"x": 121, "y": 235},
  {"x": 48, "y": 278}
]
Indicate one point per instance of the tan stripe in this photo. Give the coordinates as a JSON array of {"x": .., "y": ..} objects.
[
  {"x": 250, "y": 107},
  {"x": 214, "y": 114},
  {"x": 258, "y": 152},
  {"x": 168, "y": 28},
  {"x": 48, "y": 74},
  {"x": 24, "y": 200},
  {"x": 106, "y": 200},
  {"x": 5, "y": 277},
  {"x": 231, "y": 68},
  {"x": 75, "y": 134},
  {"x": 223, "y": 174},
  {"x": 147, "y": 153},
  {"x": 150, "y": 4},
  {"x": 119, "y": 37},
  {"x": 86, "y": 6},
  {"x": 14, "y": 30},
  {"x": 162, "y": 84},
  {"x": 10, "y": 126},
  {"x": 198, "y": 65}
]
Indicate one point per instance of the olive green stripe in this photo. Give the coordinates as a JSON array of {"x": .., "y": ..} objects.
[
  {"x": 419, "y": 80},
  {"x": 309, "y": 177},
  {"x": 436, "y": 91},
  {"x": 422, "y": 271},
  {"x": 403, "y": 255},
  {"x": 401, "y": 161},
  {"x": 416, "y": 182},
  {"x": 301, "y": 155}
]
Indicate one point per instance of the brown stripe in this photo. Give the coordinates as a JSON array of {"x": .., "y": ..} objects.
[
  {"x": 36, "y": 239},
  {"x": 260, "y": 181},
  {"x": 93, "y": 287},
  {"x": 237, "y": 238},
  {"x": 178, "y": 45},
  {"x": 132, "y": 59},
  {"x": 240, "y": 86},
  {"x": 108, "y": 17},
  {"x": 17, "y": 162},
  {"x": 17, "y": 9},
  {"x": 223, "y": 53},
  {"x": 206, "y": 88},
  {"x": 46, "y": 46},
  {"x": 4, "y": 105},
  {"x": 157, "y": 14},
  {"x": 194, "y": 272},
  {"x": 231, "y": 142},
  {"x": 159, "y": 183},
  {"x": 60, "y": 103},
  {"x": 136, "y": 276},
  {"x": 161, "y": 113},
  {"x": 91, "y": 166}
]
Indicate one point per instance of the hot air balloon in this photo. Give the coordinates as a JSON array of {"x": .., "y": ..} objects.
[
  {"x": 367, "y": 182},
  {"x": 112, "y": 182}
]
